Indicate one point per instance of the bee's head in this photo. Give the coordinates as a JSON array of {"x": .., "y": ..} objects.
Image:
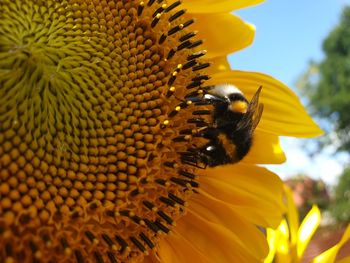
[{"x": 229, "y": 97}]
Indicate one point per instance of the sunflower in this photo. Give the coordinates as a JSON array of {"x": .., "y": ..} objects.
[
  {"x": 94, "y": 122},
  {"x": 289, "y": 241}
]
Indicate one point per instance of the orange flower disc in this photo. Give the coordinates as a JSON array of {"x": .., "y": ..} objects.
[{"x": 93, "y": 115}]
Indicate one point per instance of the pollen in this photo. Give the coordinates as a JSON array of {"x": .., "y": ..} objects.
[
  {"x": 239, "y": 106},
  {"x": 95, "y": 127}
]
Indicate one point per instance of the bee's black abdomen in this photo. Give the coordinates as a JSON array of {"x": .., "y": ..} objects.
[
  {"x": 243, "y": 145},
  {"x": 223, "y": 148}
]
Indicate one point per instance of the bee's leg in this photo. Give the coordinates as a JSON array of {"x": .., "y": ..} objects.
[
  {"x": 199, "y": 157},
  {"x": 199, "y": 122},
  {"x": 194, "y": 99},
  {"x": 191, "y": 157},
  {"x": 207, "y": 99},
  {"x": 210, "y": 133},
  {"x": 201, "y": 112},
  {"x": 204, "y": 156},
  {"x": 213, "y": 154}
]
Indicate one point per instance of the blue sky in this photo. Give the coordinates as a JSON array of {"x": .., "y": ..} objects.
[{"x": 289, "y": 33}]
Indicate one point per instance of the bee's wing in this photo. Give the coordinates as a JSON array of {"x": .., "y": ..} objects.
[
  {"x": 253, "y": 115},
  {"x": 257, "y": 116}
]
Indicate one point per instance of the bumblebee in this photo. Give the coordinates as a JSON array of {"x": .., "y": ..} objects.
[{"x": 234, "y": 120}]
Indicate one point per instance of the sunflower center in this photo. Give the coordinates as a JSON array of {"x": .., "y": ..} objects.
[{"x": 92, "y": 118}]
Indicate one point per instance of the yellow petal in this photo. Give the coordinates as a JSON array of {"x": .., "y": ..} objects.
[
  {"x": 283, "y": 249},
  {"x": 152, "y": 258},
  {"x": 215, "y": 6},
  {"x": 215, "y": 241},
  {"x": 292, "y": 216},
  {"x": 278, "y": 239},
  {"x": 213, "y": 210},
  {"x": 283, "y": 113},
  {"x": 223, "y": 33},
  {"x": 174, "y": 249},
  {"x": 307, "y": 229},
  {"x": 271, "y": 236},
  {"x": 217, "y": 65},
  {"x": 266, "y": 149},
  {"x": 243, "y": 186},
  {"x": 329, "y": 255}
]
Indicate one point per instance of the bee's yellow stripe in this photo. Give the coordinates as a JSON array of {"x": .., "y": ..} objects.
[{"x": 228, "y": 145}]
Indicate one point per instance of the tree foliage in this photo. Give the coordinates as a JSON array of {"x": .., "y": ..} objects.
[
  {"x": 327, "y": 84},
  {"x": 340, "y": 208}
]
